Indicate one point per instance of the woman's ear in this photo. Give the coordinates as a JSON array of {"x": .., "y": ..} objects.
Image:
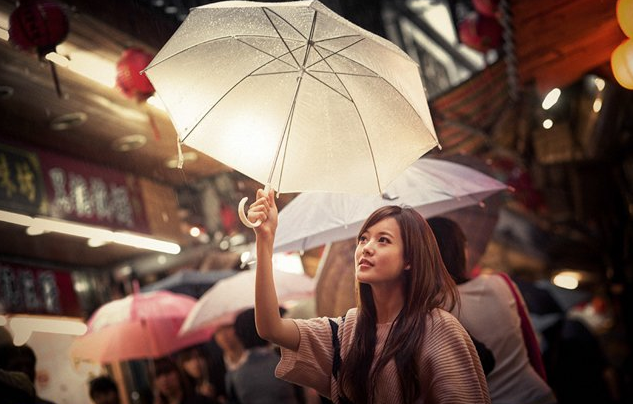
[{"x": 407, "y": 267}]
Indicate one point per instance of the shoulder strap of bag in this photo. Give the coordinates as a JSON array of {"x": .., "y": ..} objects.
[
  {"x": 529, "y": 338},
  {"x": 336, "y": 344},
  {"x": 336, "y": 360}
]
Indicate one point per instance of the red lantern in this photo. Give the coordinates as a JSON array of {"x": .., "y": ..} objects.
[
  {"x": 133, "y": 83},
  {"x": 480, "y": 32},
  {"x": 39, "y": 25},
  {"x": 128, "y": 74},
  {"x": 486, "y": 7}
]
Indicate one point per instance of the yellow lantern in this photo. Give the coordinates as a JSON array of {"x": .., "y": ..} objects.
[
  {"x": 622, "y": 64},
  {"x": 624, "y": 13}
]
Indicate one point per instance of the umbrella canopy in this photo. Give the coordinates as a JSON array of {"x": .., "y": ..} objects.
[
  {"x": 189, "y": 281},
  {"x": 431, "y": 186},
  {"x": 293, "y": 95},
  {"x": 220, "y": 304},
  {"x": 139, "y": 326}
]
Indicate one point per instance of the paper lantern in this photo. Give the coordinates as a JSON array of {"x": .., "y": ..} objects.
[
  {"x": 622, "y": 64},
  {"x": 624, "y": 13},
  {"x": 38, "y": 25},
  {"x": 128, "y": 74},
  {"x": 489, "y": 8},
  {"x": 480, "y": 32}
]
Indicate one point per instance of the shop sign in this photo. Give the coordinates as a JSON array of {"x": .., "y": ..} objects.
[
  {"x": 25, "y": 289},
  {"x": 21, "y": 183},
  {"x": 83, "y": 192}
]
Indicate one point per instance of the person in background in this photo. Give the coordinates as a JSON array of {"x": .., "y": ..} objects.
[
  {"x": 195, "y": 367},
  {"x": 21, "y": 359},
  {"x": 16, "y": 388},
  {"x": 172, "y": 387},
  {"x": 231, "y": 346},
  {"x": 399, "y": 345},
  {"x": 103, "y": 390},
  {"x": 488, "y": 310},
  {"x": 254, "y": 381}
]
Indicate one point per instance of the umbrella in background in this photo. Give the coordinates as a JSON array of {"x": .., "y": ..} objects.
[
  {"x": 294, "y": 96},
  {"x": 190, "y": 282},
  {"x": 220, "y": 304},
  {"x": 431, "y": 186},
  {"x": 138, "y": 326}
]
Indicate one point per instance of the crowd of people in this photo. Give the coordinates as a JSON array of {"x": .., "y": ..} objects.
[{"x": 424, "y": 330}]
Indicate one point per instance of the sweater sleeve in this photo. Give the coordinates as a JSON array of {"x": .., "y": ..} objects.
[
  {"x": 451, "y": 363},
  {"x": 311, "y": 364}
]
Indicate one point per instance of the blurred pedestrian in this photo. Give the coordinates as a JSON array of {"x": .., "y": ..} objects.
[
  {"x": 197, "y": 369},
  {"x": 103, "y": 390},
  {"x": 254, "y": 381},
  {"x": 488, "y": 310},
  {"x": 16, "y": 388},
  {"x": 232, "y": 348},
  {"x": 21, "y": 359},
  {"x": 399, "y": 345},
  {"x": 172, "y": 387}
]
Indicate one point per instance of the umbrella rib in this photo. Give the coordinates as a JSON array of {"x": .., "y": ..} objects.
[
  {"x": 344, "y": 74},
  {"x": 338, "y": 53},
  {"x": 288, "y": 125},
  {"x": 283, "y": 40},
  {"x": 360, "y": 117},
  {"x": 378, "y": 77},
  {"x": 236, "y": 37},
  {"x": 221, "y": 98},
  {"x": 269, "y": 54},
  {"x": 347, "y": 97},
  {"x": 333, "y": 38}
]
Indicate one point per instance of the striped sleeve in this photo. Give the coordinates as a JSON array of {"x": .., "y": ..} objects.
[
  {"x": 451, "y": 365},
  {"x": 311, "y": 364}
]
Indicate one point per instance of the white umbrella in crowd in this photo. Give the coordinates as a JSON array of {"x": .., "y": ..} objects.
[{"x": 431, "y": 186}]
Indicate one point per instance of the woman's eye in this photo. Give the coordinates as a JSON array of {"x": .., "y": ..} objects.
[
  {"x": 384, "y": 240},
  {"x": 362, "y": 239}
]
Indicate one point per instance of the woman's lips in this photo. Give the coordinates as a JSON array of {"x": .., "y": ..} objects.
[{"x": 364, "y": 264}]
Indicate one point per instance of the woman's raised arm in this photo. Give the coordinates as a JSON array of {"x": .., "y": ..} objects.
[{"x": 270, "y": 325}]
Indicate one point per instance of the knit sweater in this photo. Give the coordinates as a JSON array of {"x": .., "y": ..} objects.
[{"x": 448, "y": 364}]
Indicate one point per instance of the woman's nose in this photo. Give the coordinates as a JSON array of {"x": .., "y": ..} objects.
[{"x": 367, "y": 249}]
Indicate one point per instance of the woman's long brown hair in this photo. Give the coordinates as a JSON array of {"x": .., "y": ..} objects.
[{"x": 427, "y": 285}]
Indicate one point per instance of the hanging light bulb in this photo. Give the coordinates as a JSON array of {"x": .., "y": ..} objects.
[
  {"x": 624, "y": 14},
  {"x": 622, "y": 64}
]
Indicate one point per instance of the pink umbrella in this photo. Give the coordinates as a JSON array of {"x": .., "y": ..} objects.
[{"x": 139, "y": 326}]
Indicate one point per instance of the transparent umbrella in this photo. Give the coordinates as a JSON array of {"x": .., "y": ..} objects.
[
  {"x": 431, "y": 186},
  {"x": 220, "y": 304},
  {"x": 293, "y": 96}
]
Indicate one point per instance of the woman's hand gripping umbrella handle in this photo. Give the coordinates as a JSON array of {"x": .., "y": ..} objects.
[{"x": 241, "y": 211}]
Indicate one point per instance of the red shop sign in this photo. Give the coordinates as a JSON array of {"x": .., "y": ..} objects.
[
  {"x": 83, "y": 192},
  {"x": 37, "y": 291}
]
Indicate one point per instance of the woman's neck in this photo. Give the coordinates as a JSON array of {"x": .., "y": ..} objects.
[{"x": 389, "y": 302}]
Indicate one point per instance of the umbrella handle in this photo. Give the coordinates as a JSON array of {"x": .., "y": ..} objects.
[{"x": 241, "y": 211}]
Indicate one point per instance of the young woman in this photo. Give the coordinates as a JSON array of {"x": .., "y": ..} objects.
[{"x": 398, "y": 345}]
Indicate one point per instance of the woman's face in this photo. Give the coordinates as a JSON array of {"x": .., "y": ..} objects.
[
  {"x": 193, "y": 366},
  {"x": 168, "y": 383},
  {"x": 379, "y": 254}
]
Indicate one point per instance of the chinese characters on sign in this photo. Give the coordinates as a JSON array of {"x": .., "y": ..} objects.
[
  {"x": 21, "y": 184},
  {"x": 36, "y": 290}
]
